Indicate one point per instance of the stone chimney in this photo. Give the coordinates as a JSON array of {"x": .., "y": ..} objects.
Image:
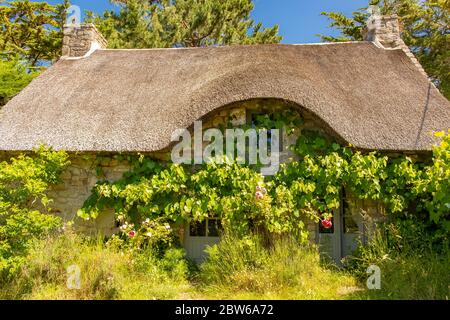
[
  {"x": 385, "y": 32},
  {"x": 80, "y": 40}
]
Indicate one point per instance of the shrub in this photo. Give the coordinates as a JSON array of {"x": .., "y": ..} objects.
[
  {"x": 23, "y": 184},
  {"x": 156, "y": 234}
]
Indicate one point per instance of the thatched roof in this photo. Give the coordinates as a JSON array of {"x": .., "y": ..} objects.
[{"x": 132, "y": 100}]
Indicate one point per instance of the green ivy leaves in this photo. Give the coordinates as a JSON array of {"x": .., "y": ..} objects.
[{"x": 310, "y": 188}]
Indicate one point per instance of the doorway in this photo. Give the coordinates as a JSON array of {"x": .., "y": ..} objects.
[
  {"x": 200, "y": 235},
  {"x": 343, "y": 238}
]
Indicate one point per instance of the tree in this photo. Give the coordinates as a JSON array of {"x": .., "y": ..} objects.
[
  {"x": 425, "y": 29},
  {"x": 182, "y": 23},
  {"x": 33, "y": 30},
  {"x": 14, "y": 76}
]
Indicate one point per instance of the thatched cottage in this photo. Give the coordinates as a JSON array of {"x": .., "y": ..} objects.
[{"x": 96, "y": 101}]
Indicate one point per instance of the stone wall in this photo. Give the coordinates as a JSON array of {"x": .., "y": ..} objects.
[
  {"x": 78, "y": 179},
  {"x": 79, "y": 40}
]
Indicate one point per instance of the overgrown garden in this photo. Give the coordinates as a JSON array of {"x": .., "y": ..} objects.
[{"x": 154, "y": 198}]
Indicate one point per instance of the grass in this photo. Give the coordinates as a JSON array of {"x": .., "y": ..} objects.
[
  {"x": 412, "y": 277},
  {"x": 235, "y": 269},
  {"x": 106, "y": 272},
  {"x": 245, "y": 269}
]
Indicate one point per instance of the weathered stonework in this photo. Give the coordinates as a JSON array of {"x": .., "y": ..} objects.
[
  {"x": 79, "y": 40},
  {"x": 78, "y": 180}
]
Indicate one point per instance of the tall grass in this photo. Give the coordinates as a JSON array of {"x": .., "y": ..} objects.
[
  {"x": 410, "y": 270},
  {"x": 237, "y": 268},
  {"x": 412, "y": 277},
  {"x": 106, "y": 272},
  {"x": 245, "y": 268}
]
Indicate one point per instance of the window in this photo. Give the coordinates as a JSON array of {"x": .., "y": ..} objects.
[
  {"x": 207, "y": 228},
  {"x": 198, "y": 229}
]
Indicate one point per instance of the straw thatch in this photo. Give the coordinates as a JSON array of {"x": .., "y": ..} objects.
[{"x": 132, "y": 100}]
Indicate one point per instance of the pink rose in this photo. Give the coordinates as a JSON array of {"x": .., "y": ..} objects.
[
  {"x": 131, "y": 234},
  {"x": 327, "y": 224}
]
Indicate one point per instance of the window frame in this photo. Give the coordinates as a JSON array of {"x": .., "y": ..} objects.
[{"x": 206, "y": 223}]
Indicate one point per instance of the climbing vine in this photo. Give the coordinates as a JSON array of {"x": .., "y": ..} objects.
[{"x": 309, "y": 188}]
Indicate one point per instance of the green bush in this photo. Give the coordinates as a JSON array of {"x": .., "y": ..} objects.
[
  {"x": 23, "y": 184},
  {"x": 156, "y": 234}
]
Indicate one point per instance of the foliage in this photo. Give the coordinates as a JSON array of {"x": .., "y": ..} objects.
[
  {"x": 237, "y": 268},
  {"x": 310, "y": 188},
  {"x": 155, "y": 234},
  {"x": 245, "y": 268},
  {"x": 182, "y": 23},
  {"x": 23, "y": 185},
  {"x": 411, "y": 268},
  {"x": 107, "y": 271},
  {"x": 32, "y": 30},
  {"x": 14, "y": 76},
  {"x": 226, "y": 191},
  {"x": 425, "y": 29},
  {"x": 398, "y": 182},
  {"x": 437, "y": 182}
]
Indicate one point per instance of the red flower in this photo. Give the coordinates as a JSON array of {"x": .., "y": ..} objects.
[
  {"x": 327, "y": 224},
  {"x": 131, "y": 234}
]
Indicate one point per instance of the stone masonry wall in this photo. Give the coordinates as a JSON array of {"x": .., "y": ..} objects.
[
  {"x": 78, "y": 40},
  {"x": 78, "y": 180}
]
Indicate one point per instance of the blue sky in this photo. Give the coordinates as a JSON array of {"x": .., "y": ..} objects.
[{"x": 299, "y": 20}]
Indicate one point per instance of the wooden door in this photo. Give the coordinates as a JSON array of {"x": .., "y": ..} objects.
[{"x": 198, "y": 236}]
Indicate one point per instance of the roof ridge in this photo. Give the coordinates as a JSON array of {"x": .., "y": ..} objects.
[{"x": 237, "y": 45}]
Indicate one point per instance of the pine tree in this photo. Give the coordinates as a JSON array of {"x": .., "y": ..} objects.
[
  {"x": 32, "y": 30},
  {"x": 14, "y": 76},
  {"x": 182, "y": 23}
]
